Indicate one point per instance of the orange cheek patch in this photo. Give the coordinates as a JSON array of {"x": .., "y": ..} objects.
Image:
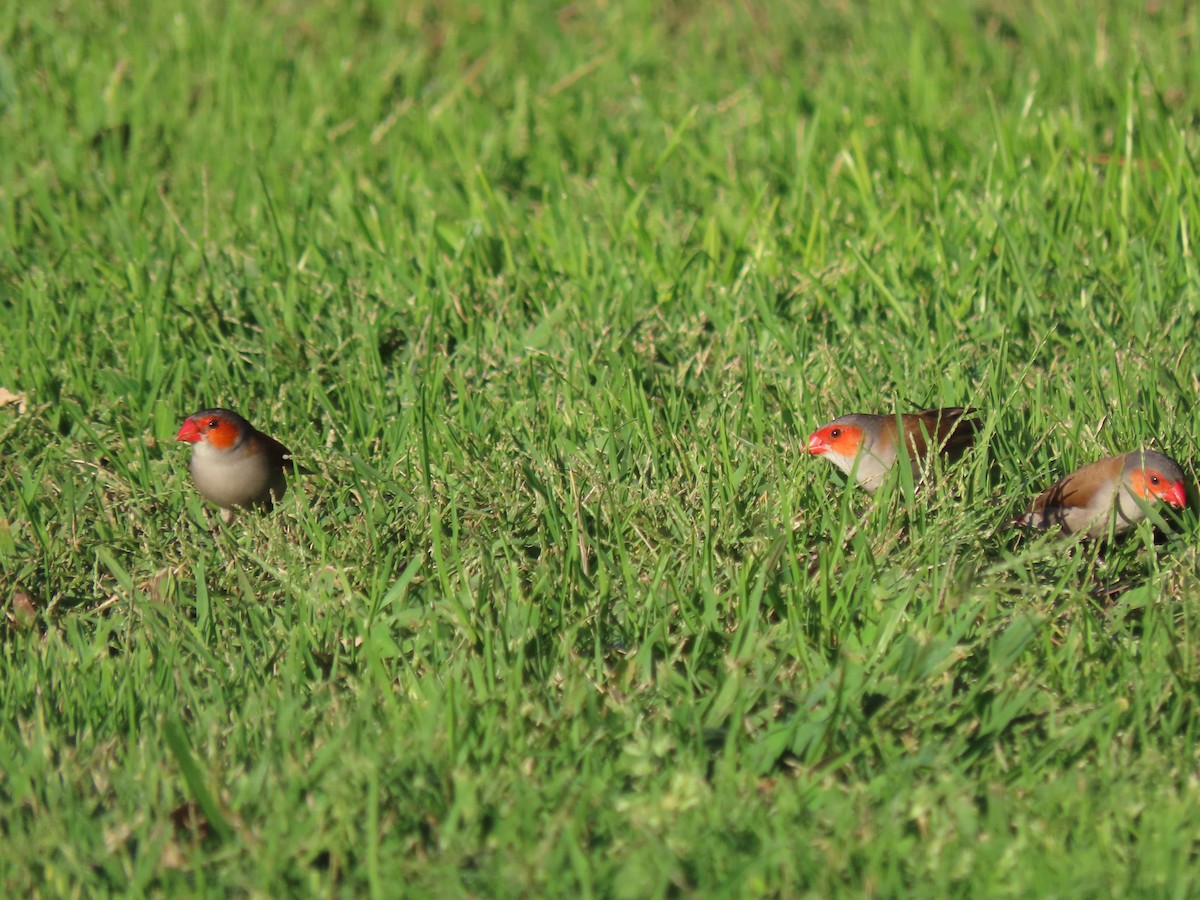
[
  {"x": 1137, "y": 484},
  {"x": 221, "y": 437},
  {"x": 848, "y": 442},
  {"x": 1143, "y": 488}
]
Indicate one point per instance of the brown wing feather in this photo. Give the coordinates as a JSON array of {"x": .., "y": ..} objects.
[
  {"x": 1070, "y": 496},
  {"x": 284, "y": 456},
  {"x": 1051, "y": 506},
  {"x": 952, "y": 430}
]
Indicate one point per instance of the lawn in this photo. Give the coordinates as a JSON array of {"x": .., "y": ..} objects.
[{"x": 549, "y": 297}]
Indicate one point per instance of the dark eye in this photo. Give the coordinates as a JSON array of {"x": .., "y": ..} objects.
[
  {"x": 214, "y": 423},
  {"x": 835, "y": 433},
  {"x": 1154, "y": 479}
]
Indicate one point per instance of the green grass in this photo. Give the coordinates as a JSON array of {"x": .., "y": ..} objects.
[{"x": 551, "y": 298}]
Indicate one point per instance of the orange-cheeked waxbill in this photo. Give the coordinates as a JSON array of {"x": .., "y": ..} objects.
[
  {"x": 866, "y": 445},
  {"x": 1113, "y": 492},
  {"x": 234, "y": 465}
]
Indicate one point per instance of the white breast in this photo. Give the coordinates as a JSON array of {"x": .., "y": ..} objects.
[{"x": 231, "y": 478}]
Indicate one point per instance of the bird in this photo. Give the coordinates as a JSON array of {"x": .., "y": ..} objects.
[
  {"x": 864, "y": 445},
  {"x": 234, "y": 465},
  {"x": 1112, "y": 492}
]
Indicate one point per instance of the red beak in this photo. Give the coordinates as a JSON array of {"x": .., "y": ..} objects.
[
  {"x": 816, "y": 444},
  {"x": 1175, "y": 495},
  {"x": 189, "y": 432}
]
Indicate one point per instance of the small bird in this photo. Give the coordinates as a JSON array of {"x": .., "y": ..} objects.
[
  {"x": 1114, "y": 491},
  {"x": 233, "y": 463},
  {"x": 865, "y": 445}
]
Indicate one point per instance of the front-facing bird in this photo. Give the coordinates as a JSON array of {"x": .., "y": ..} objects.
[
  {"x": 867, "y": 446},
  {"x": 1113, "y": 492},
  {"x": 235, "y": 465}
]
